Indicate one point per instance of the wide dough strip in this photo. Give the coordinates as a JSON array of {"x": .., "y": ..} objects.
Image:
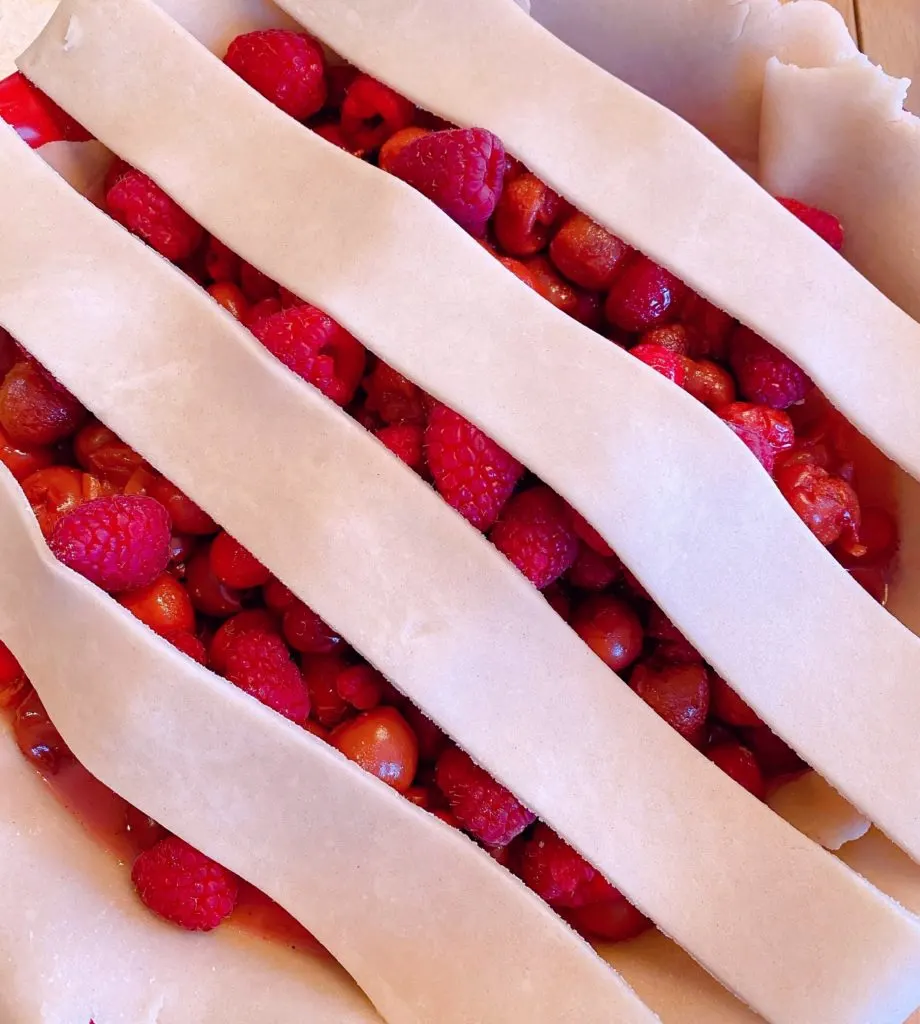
[
  {"x": 720, "y": 550},
  {"x": 182, "y": 382}
]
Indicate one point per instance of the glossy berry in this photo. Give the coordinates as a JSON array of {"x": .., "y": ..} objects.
[
  {"x": 739, "y": 763},
  {"x": 37, "y": 738},
  {"x": 774, "y": 755},
  {"x": 305, "y": 631},
  {"x": 163, "y": 605},
  {"x": 35, "y": 409},
  {"x": 611, "y": 920},
  {"x": 361, "y": 686},
  {"x": 587, "y": 254},
  {"x": 321, "y": 675},
  {"x": 766, "y": 431},
  {"x": 207, "y": 593},
  {"x": 708, "y": 327},
  {"x": 382, "y": 743},
  {"x": 671, "y": 645},
  {"x": 260, "y": 664},
  {"x": 827, "y": 504},
  {"x": 52, "y": 493},
  {"x": 764, "y": 374},
  {"x": 728, "y": 707},
  {"x": 591, "y": 571},
  {"x": 481, "y": 805},
  {"x": 184, "y": 886},
  {"x": 461, "y": 170},
  {"x": 643, "y": 295},
  {"x": 526, "y": 213},
  {"x": 119, "y": 543},
  {"x": 558, "y": 874},
  {"x": 185, "y": 515},
  {"x": 234, "y": 566},
  {"x": 678, "y": 693},
  {"x": 822, "y": 223},
  {"x": 372, "y": 112},
  {"x": 188, "y": 644},
  {"x": 230, "y": 296},
  {"x": 668, "y": 363},
  {"x": 471, "y": 472},
  {"x": 23, "y": 460},
  {"x": 583, "y": 306},
  {"x": 610, "y": 627},
  {"x": 286, "y": 67},
  {"x": 534, "y": 533},
  {"x": 221, "y": 263},
  {"x": 138, "y": 203},
  {"x": 709, "y": 383},
  {"x": 394, "y": 398}
]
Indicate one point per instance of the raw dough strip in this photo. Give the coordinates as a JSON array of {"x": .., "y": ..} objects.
[
  {"x": 384, "y": 886},
  {"x": 380, "y": 556},
  {"x": 721, "y": 551}
]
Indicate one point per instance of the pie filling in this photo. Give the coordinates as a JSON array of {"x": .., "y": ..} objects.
[{"x": 110, "y": 515}]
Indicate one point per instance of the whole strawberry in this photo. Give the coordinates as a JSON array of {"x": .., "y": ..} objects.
[
  {"x": 259, "y": 663},
  {"x": 534, "y": 532},
  {"x": 286, "y": 67}
]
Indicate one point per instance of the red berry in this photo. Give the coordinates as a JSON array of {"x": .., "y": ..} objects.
[
  {"x": 188, "y": 644},
  {"x": 37, "y": 738},
  {"x": 585, "y": 307},
  {"x": 520, "y": 271},
  {"x": 230, "y": 297},
  {"x": 526, "y": 212},
  {"x": 316, "y": 348},
  {"x": 256, "y": 286},
  {"x": 286, "y": 67},
  {"x": 535, "y": 534},
  {"x": 142, "y": 830},
  {"x": 101, "y": 452},
  {"x": 10, "y": 669},
  {"x": 186, "y": 516},
  {"x": 277, "y": 596},
  {"x": 586, "y": 253},
  {"x": 586, "y": 532},
  {"x": 395, "y": 144},
  {"x": 674, "y": 337},
  {"x": 35, "y": 409},
  {"x": 764, "y": 374},
  {"x": 138, "y": 203},
  {"x": 708, "y": 382},
  {"x": 679, "y": 693},
  {"x": 827, "y": 504},
  {"x": 361, "y": 686},
  {"x": 305, "y": 631},
  {"x": 672, "y": 646},
  {"x": 382, "y": 743},
  {"x": 644, "y": 294},
  {"x": 461, "y": 170},
  {"x": 23, "y": 460},
  {"x": 659, "y": 358},
  {"x": 261, "y": 664},
  {"x": 471, "y": 472},
  {"x": 610, "y": 627},
  {"x": 207, "y": 593},
  {"x": 393, "y": 398},
  {"x": 555, "y": 872},
  {"x": 741, "y": 765},
  {"x": 405, "y": 441},
  {"x": 773, "y": 755},
  {"x": 708, "y": 327},
  {"x": 431, "y": 741},
  {"x": 591, "y": 571},
  {"x": 610, "y": 920},
  {"x": 119, "y": 543},
  {"x": 234, "y": 566},
  {"x": 244, "y": 622},
  {"x": 164, "y": 605},
  {"x": 822, "y": 223},
  {"x": 321, "y": 675},
  {"x": 766, "y": 431},
  {"x": 482, "y": 806},
  {"x": 221, "y": 262},
  {"x": 184, "y": 886},
  {"x": 372, "y": 112},
  {"x": 729, "y": 707}
]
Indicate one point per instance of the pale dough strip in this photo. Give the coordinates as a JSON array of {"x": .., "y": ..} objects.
[
  {"x": 379, "y": 555},
  {"x": 675, "y": 493}
]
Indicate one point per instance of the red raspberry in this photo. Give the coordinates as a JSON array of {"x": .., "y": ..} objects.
[
  {"x": 558, "y": 874},
  {"x": 285, "y": 67},
  {"x": 679, "y": 693},
  {"x": 482, "y": 806},
  {"x": 526, "y": 213},
  {"x": 591, "y": 571},
  {"x": 741, "y": 765},
  {"x": 471, "y": 472},
  {"x": 372, "y": 112},
  {"x": 708, "y": 382},
  {"x": 305, "y": 631},
  {"x": 827, "y": 504},
  {"x": 260, "y": 663},
  {"x": 610, "y": 627},
  {"x": 587, "y": 254},
  {"x": 119, "y": 543},
  {"x": 461, "y": 170},
  {"x": 644, "y": 294},
  {"x": 822, "y": 223},
  {"x": 245, "y": 622},
  {"x": 659, "y": 358},
  {"x": 189, "y": 644},
  {"x": 35, "y": 409},
  {"x": 405, "y": 441},
  {"x": 234, "y": 566},
  {"x": 764, "y": 374},
  {"x": 361, "y": 686},
  {"x": 393, "y": 398},
  {"x": 138, "y": 203},
  {"x": 535, "y": 534},
  {"x": 184, "y": 886},
  {"x": 316, "y": 348},
  {"x": 395, "y": 144}
]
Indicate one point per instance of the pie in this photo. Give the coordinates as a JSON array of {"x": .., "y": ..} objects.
[{"x": 398, "y": 378}]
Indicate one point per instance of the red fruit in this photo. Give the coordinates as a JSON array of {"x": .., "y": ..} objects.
[
  {"x": 611, "y": 920},
  {"x": 221, "y": 262},
  {"x": 611, "y": 628},
  {"x": 393, "y": 398},
  {"x": 644, "y": 294},
  {"x": 231, "y": 298},
  {"x": 674, "y": 337},
  {"x": 277, "y": 596},
  {"x": 234, "y": 566},
  {"x": 827, "y": 504},
  {"x": 431, "y": 741},
  {"x": 185, "y": 515},
  {"x": 708, "y": 327},
  {"x": 879, "y": 540},
  {"x": 405, "y": 441},
  {"x": 372, "y": 112},
  {"x": 822, "y": 223},
  {"x": 482, "y": 806},
  {"x": 37, "y": 738},
  {"x": 586, "y": 532},
  {"x": 659, "y": 358},
  {"x": 257, "y": 313},
  {"x": 102, "y": 452},
  {"x": 526, "y": 212},
  {"x": 184, "y": 886},
  {"x": 461, "y": 170},
  {"x": 591, "y": 571},
  {"x": 587, "y": 254},
  {"x": 766, "y": 431},
  {"x": 673, "y": 646},
  {"x": 316, "y": 348},
  {"x": 520, "y": 270},
  {"x": 10, "y": 669},
  {"x": 764, "y": 374},
  {"x": 207, "y": 593},
  {"x": 559, "y": 599},
  {"x": 257, "y": 287},
  {"x": 555, "y": 872},
  {"x": 727, "y": 706},
  {"x": 189, "y": 644},
  {"x": 286, "y": 67},
  {"x": 23, "y": 460},
  {"x": 708, "y": 382},
  {"x": 35, "y": 409},
  {"x": 164, "y": 605},
  {"x": 382, "y": 743},
  {"x": 119, "y": 543},
  {"x": 261, "y": 664},
  {"x": 585, "y": 307},
  {"x": 773, "y": 755},
  {"x": 255, "y": 619},
  {"x": 361, "y": 686},
  {"x": 138, "y": 203},
  {"x": 395, "y": 144},
  {"x": 679, "y": 693},
  {"x": 321, "y": 675},
  {"x": 305, "y": 631},
  {"x": 471, "y": 472},
  {"x": 741, "y": 765},
  {"x": 535, "y": 534}
]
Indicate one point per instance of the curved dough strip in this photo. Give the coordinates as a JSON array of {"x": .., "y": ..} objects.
[
  {"x": 720, "y": 550},
  {"x": 182, "y": 382}
]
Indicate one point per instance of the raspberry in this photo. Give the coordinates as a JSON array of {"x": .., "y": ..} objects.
[
  {"x": 643, "y": 295},
  {"x": 405, "y": 441},
  {"x": 558, "y": 874},
  {"x": 372, "y": 112},
  {"x": 482, "y": 806},
  {"x": 259, "y": 663},
  {"x": 659, "y": 358},
  {"x": 534, "y": 533},
  {"x": 316, "y": 348},
  {"x": 679, "y": 693},
  {"x": 708, "y": 382},
  {"x": 822, "y": 223},
  {"x": 587, "y": 254},
  {"x": 119, "y": 543},
  {"x": 257, "y": 287},
  {"x": 361, "y": 686},
  {"x": 393, "y": 398},
  {"x": 461, "y": 170},
  {"x": 764, "y": 374},
  {"x": 739, "y": 763},
  {"x": 234, "y": 566},
  {"x": 471, "y": 472},
  {"x": 184, "y": 886},
  {"x": 827, "y": 504},
  {"x": 189, "y": 644},
  {"x": 305, "y": 631},
  {"x": 526, "y": 213},
  {"x": 286, "y": 67},
  {"x": 395, "y": 144},
  {"x": 610, "y": 627},
  {"x": 35, "y": 409},
  {"x": 138, "y": 203},
  {"x": 245, "y": 622}
]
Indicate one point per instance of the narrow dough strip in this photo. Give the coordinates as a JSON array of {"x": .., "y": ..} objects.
[
  {"x": 720, "y": 550},
  {"x": 380, "y": 556}
]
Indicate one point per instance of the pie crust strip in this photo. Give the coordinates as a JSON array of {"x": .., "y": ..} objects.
[
  {"x": 384, "y": 885},
  {"x": 380, "y": 556},
  {"x": 676, "y": 494}
]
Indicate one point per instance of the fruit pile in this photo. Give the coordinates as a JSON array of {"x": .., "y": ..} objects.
[{"x": 111, "y": 516}]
